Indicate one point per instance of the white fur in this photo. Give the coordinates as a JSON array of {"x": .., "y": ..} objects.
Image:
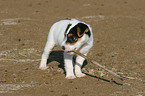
[{"x": 56, "y": 36}]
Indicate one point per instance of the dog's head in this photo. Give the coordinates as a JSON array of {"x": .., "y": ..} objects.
[{"x": 76, "y": 36}]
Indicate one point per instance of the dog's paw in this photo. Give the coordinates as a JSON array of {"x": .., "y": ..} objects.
[
  {"x": 43, "y": 68},
  {"x": 80, "y": 74},
  {"x": 70, "y": 77}
]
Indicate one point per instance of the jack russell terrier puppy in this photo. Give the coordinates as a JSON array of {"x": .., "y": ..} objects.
[{"x": 69, "y": 34}]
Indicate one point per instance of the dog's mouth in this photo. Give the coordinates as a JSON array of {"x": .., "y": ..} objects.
[{"x": 71, "y": 52}]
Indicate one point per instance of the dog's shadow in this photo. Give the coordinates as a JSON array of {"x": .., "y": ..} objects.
[{"x": 58, "y": 57}]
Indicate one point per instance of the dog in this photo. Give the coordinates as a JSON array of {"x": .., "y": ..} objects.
[{"x": 69, "y": 35}]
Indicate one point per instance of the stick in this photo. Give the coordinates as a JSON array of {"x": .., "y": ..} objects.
[{"x": 94, "y": 62}]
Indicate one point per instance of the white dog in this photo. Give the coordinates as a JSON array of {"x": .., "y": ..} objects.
[{"x": 69, "y": 34}]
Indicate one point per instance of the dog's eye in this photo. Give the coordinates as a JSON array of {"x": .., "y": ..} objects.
[{"x": 72, "y": 39}]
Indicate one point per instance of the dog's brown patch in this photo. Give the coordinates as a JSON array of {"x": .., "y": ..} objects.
[
  {"x": 79, "y": 31},
  {"x": 69, "y": 35}
]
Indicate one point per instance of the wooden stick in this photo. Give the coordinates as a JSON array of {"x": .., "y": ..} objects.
[{"x": 94, "y": 62}]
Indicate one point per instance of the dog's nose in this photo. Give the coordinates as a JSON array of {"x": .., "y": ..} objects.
[{"x": 63, "y": 47}]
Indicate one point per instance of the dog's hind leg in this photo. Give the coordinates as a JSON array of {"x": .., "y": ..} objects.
[{"x": 48, "y": 47}]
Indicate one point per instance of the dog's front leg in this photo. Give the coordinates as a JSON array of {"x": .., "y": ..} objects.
[
  {"x": 78, "y": 66},
  {"x": 68, "y": 66},
  {"x": 79, "y": 60}
]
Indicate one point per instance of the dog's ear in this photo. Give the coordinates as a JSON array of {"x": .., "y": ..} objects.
[{"x": 82, "y": 29}]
